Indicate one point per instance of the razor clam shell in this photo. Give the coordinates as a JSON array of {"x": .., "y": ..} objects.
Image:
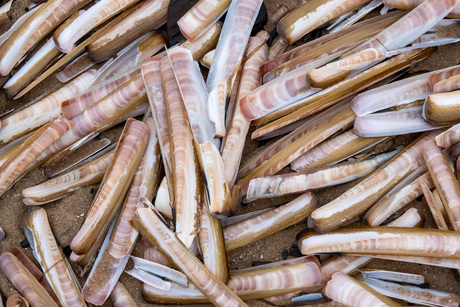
[
  {"x": 175, "y": 295},
  {"x": 240, "y": 19},
  {"x": 433, "y": 261},
  {"x": 18, "y": 24},
  {"x": 283, "y": 277},
  {"x": 336, "y": 71},
  {"x": 35, "y": 271},
  {"x": 443, "y": 74},
  {"x": 94, "y": 16},
  {"x": 297, "y": 148},
  {"x": 405, "y": 121},
  {"x": 390, "y": 95},
  {"x": 37, "y": 26},
  {"x": 274, "y": 186},
  {"x": 354, "y": 17},
  {"x": 158, "y": 269},
  {"x": 363, "y": 195},
  {"x": 120, "y": 297},
  {"x": 269, "y": 222},
  {"x": 436, "y": 207},
  {"x": 65, "y": 184},
  {"x": 447, "y": 85},
  {"x": 445, "y": 181},
  {"x": 206, "y": 61},
  {"x": 340, "y": 91},
  {"x": 212, "y": 245},
  {"x": 47, "y": 54},
  {"x": 106, "y": 271},
  {"x": 107, "y": 112},
  {"x": 278, "y": 47},
  {"x": 75, "y": 68},
  {"x": 42, "y": 111},
  {"x": 24, "y": 281},
  {"x": 133, "y": 56},
  {"x": 162, "y": 200},
  {"x": 442, "y": 109},
  {"x": 350, "y": 292},
  {"x": 311, "y": 15},
  {"x": 227, "y": 221},
  {"x": 74, "y": 106},
  {"x": 280, "y": 12},
  {"x": 22, "y": 158},
  {"x": 233, "y": 144},
  {"x": 273, "y": 148},
  {"x": 413, "y": 294},
  {"x": 411, "y": 4},
  {"x": 144, "y": 184},
  {"x": 385, "y": 240},
  {"x": 412, "y": 25},
  {"x": 151, "y": 253},
  {"x": 414, "y": 279},
  {"x": 281, "y": 92},
  {"x": 193, "y": 92},
  {"x": 147, "y": 16},
  {"x": 115, "y": 184},
  {"x": 187, "y": 182},
  {"x": 149, "y": 279},
  {"x": 401, "y": 195},
  {"x": 48, "y": 254},
  {"x": 333, "y": 150},
  {"x": 330, "y": 43},
  {"x": 204, "y": 43},
  {"x": 350, "y": 264},
  {"x": 218, "y": 191},
  {"x": 157, "y": 233},
  {"x": 449, "y": 138},
  {"x": 201, "y": 16}
]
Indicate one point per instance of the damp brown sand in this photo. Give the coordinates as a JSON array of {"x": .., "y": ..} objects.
[{"x": 67, "y": 215}]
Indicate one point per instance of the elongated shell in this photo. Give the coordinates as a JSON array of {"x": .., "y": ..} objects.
[
  {"x": 333, "y": 150},
  {"x": 24, "y": 281},
  {"x": 201, "y": 16},
  {"x": 157, "y": 233},
  {"x": 445, "y": 181},
  {"x": 43, "y": 20},
  {"x": 269, "y": 222},
  {"x": 25, "y": 155},
  {"x": 94, "y": 16},
  {"x": 411, "y": 4},
  {"x": 51, "y": 259},
  {"x": 42, "y": 111},
  {"x": 116, "y": 182},
  {"x": 350, "y": 292},
  {"x": 232, "y": 148},
  {"x": 401, "y": 122},
  {"x": 315, "y": 179},
  {"x": 65, "y": 184},
  {"x": 300, "y": 146},
  {"x": 187, "y": 182},
  {"x": 363, "y": 195},
  {"x": 276, "y": 278},
  {"x": 385, "y": 240},
  {"x": 147, "y": 16},
  {"x": 120, "y": 297},
  {"x": 442, "y": 109},
  {"x": 39, "y": 61}
]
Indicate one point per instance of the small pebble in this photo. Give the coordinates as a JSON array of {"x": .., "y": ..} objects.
[
  {"x": 284, "y": 254},
  {"x": 25, "y": 243},
  {"x": 294, "y": 251}
]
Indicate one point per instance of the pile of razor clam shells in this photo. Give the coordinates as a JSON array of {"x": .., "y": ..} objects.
[{"x": 162, "y": 102}]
